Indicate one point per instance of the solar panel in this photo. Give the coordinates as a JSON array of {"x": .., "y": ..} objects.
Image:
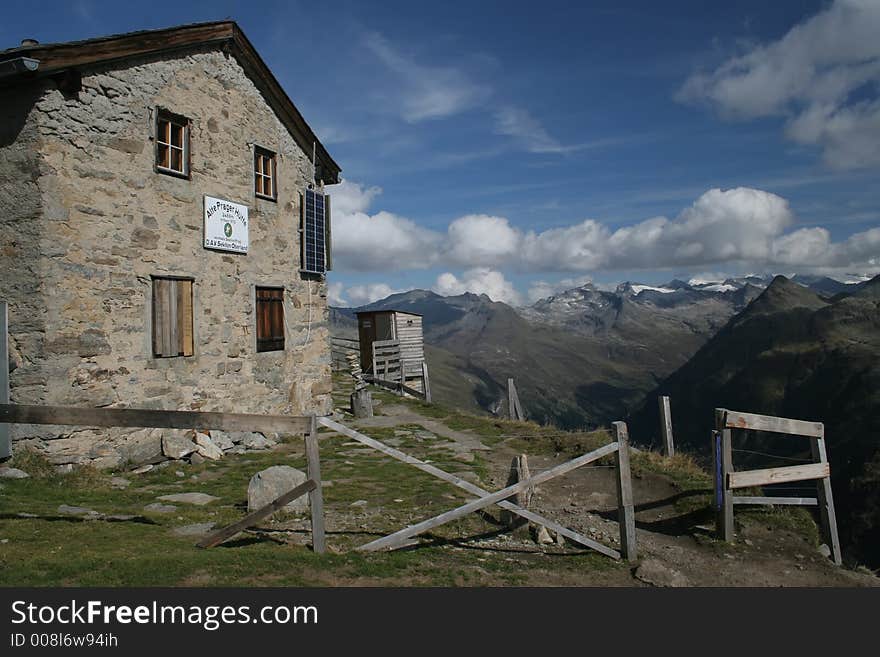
[{"x": 314, "y": 241}]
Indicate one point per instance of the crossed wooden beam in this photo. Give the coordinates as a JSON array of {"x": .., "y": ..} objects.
[{"x": 404, "y": 536}]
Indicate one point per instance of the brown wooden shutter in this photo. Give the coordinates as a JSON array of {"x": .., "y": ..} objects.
[
  {"x": 172, "y": 318},
  {"x": 185, "y": 317},
  {"x": 328, "y": 256},
  {"x": 270, "y": 319}
]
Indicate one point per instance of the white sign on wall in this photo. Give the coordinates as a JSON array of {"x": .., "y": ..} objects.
[{"x": 226, "y": 225}]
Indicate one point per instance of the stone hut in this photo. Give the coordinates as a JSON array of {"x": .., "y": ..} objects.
[{"x": 164, "y": 235}]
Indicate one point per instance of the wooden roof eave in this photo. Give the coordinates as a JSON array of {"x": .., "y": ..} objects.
[{"x": 226, "y": 35}]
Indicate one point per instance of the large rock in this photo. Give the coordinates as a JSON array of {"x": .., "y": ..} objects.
[
  {"x": 206, "y": 447},
  {"x": 222, "y": 440},
  {"x": 272, "y": 483},
  {"x": 177, "y": 446},
  {"x": 13, "y": 473},
  {"x": 652, "y": 571}
]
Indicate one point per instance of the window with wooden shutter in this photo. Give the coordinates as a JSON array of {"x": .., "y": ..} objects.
[
  {"x": 270, "y": 318},
  {"x": 172, "y": 317}
]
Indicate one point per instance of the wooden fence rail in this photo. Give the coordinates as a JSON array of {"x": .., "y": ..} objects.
[
  {"x": 339, "y": 349},
  {"x": 728, "y": 480},
  {"x": 147, "y": 418},
  {"x": 403, "y": 537}
]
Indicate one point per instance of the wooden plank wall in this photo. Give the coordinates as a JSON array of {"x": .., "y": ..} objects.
[{"x": 408, "y": 329}]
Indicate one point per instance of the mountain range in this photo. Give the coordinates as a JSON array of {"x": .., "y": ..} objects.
[{"x": 580, "y": 358}]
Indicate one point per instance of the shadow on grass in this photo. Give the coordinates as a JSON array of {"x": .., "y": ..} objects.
[{"x": 33, "y": 516}]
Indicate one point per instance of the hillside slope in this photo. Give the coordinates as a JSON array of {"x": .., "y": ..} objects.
[{"x": 793, "y": 354}]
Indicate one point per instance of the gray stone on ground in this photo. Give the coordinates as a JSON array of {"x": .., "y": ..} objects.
[
  {"x": 253, "y": 440},
  {"x": 142, "y": 469},
  {"x": 359, "y": 503},
  {"x": 158, "y": 507},
  {"x": 825, "y": 551},
  {"x": 199, "y": 499},
  {"x": 13, "y": 473},
  {"x": 196, "y": 458},
  {"x": 542, "y": 536},
  {"x": 175, "y": 446},
  {"x": 653, "y": 572},
  {"x": 222, "y": 440},
  {"x": 119, "y": 482},
  {"x": 206, "y": 447},
  {"x": 196, "y": 529},
  {"x": 77, "y": 510},
  {"x": 271, "y": 483}
]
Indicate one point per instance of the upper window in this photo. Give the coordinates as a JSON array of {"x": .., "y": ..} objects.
[
  {"x": 270, "y": 318},
  {"x": 172, "y": 317},
  {"x": 172, "y": 144},
  {"x": 264, "y": 174}
]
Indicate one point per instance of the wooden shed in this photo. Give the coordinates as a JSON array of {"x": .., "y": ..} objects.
[{"x": 390, "y": 337}]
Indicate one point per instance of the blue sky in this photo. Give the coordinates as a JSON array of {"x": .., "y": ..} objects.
[{"x": 520, "y": 148}]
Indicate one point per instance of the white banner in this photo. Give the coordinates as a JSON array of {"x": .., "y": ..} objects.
[{"x": 226, "y": 225}]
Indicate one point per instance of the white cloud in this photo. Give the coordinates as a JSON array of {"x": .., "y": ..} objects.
[
  {"x": 480, "y": 280},
  {"x": 368, "y": 293},
  {"x": 740, "y": 225},
  {"x": 336, "y": 295},
  {"x": 823, "y": 76},
  {"x": 522, "y": 126},
  {"x": 481, "y": 239},
  {"x": 381, "y": 241},
  {"x": 429, "y": 92},
  {"x": 543, "y": 289}
]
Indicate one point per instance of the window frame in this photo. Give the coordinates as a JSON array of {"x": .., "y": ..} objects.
[
  {"x": 164, "y": 115},
  {"x": 262, "y": 155},
  {"x": 272, "y": 343}
]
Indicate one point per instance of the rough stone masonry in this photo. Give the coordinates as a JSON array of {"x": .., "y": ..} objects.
[{"x": 87, "y": 220}]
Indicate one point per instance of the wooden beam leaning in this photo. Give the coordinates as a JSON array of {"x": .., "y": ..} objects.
[
  {"x": 139, "y": 417},
  {"x": 397, "y": 538},
  {"x": 426, "y": 382},
  {"x": 468, "y": 486},
  {"x": 826, "y": 502},
  {"x": 739, "y": 420},
  {"x": 666, "y": 425},
  {"x": 260, "y": 514},
  {"x": 626, "y": 517},
  {"x": 750, "y": 478},
  {"x": 774, "y": 501},
  {"x": 316, "y": 496},
  {"x": 5, "y": 438}
]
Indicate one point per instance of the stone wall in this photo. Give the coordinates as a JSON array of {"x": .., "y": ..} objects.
[{"x": 87, "y": 221}]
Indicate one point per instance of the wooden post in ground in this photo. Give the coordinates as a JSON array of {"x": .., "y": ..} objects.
[
  {"x": 514, "y": 409},
  {"x": 722, "y": 466},
  {"x": 316, "y": 497},
  {"x": 426, "y": 382},
  {"x": 402, "y": 366},
  {"x": 361, "y": 403},
  {"x": 626, "y": 516},
  {"x": 826, "y": 501},
  {"x": 5, "y": 439},
  {"x": 666, "y": 426},
  {"x": 519, "y": 471}
]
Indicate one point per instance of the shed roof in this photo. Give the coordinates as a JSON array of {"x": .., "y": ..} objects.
[{"x": 225, "y": 35}]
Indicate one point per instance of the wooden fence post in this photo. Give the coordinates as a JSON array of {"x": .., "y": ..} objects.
[
  {"x": 826, "y": 501},
  {"x": 316, "y": 497},
  {"x": 626, "y": 517},
  {"x": 426, "y": 382},
  {"x": 722, "y": 466},
  {"x": 515, "y": 410},
  {"x": 5, "y": 440},
  {"x": 666, "y": 426}
]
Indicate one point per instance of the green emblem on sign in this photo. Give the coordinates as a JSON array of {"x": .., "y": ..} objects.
[{"x": 227, "y": 230}]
